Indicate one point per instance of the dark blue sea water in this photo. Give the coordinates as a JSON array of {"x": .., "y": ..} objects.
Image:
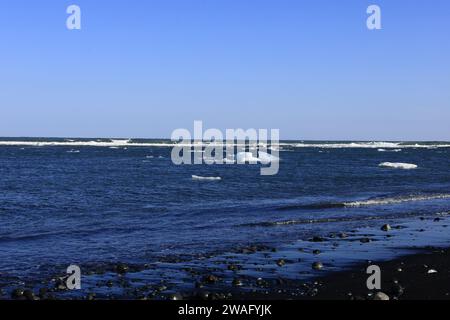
[{"x": 81, "y": 203}]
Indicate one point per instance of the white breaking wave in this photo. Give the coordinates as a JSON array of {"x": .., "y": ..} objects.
[
  {"x": 121, "y": 143},
  {"x": 389, "y": 150},
  {"x": 219, "y": 161},
  {"x": 398, "y": 165},
  {"x": 275, "y": 146},
  {"x": 384, "y": 201},
  {"x": 367, "y": 145},
  {"x": 194, "y": 177},
  {"x": 71, "y": 143}
]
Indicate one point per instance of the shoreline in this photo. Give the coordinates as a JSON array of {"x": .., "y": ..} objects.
[
  {"x": 331, "y": 267},
  {"x": 417, "y": 276}
]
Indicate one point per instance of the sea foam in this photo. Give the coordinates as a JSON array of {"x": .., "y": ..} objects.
[{"x": 395, "y": 200}]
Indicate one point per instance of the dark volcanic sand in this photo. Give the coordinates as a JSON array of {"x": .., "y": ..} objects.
[{"x": 406, "y": 278}]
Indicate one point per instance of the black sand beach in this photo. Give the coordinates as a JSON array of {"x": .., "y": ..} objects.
[
  {"x": 332, "y": 267},
  {"x": 423, "y": 276}
]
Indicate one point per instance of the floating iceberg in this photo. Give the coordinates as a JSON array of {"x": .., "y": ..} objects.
[
  {"x": 194, "y": 177},
  {"x": 391, "y": 150},
  {"x": 267, "y": 158},
  {"x": 243, "y": 157},
  {"x": 398, "y": 165},
  {"x": 264, "y": 158}
]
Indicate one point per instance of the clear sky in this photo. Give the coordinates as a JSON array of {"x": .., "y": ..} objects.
[{"x": 310, "y": 68}]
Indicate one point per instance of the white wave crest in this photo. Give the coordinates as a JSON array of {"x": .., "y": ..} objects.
[
  {"x": 273, "y": 146},
  {"x": 367, "y": 145},
  {"x": 278, "y": 146},
  {"x": 384, "y": 201}
]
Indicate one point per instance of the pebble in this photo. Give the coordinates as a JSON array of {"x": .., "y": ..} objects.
[
  {"x": 29, "y": 295},
  {"x": 237, "y": 282},
  {"x": 122, "y": 268},
  {"x": 317, "y": 239},
  {"x": 261, "y": 282},
  {"x": 17, "y": 294},
  {"x": 210, "y": 278},
  {"x": 60, "y": 284},
  {"x": 233, "y": 267},
  {"x": 161, "y": 288},
  {"x": 317, "y": 265},
  {"x": 217, "y": 296},
  {"x": 203, "y": 295},
  {"x": 381, "y": 296},
  {"x": 281, "y": 262},
  {"x": 397, "y": 289},
  {"x": 43, "y": 293},
  {"x": 176, "y": 297}
]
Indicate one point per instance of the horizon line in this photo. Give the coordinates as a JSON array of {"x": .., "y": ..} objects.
[{"x": 169, "y": 139}]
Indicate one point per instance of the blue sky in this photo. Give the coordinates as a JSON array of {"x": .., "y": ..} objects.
[{"x": 144, "y": 68}]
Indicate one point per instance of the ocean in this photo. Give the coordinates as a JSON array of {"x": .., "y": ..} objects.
[{"x": 97, "y": 202}]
